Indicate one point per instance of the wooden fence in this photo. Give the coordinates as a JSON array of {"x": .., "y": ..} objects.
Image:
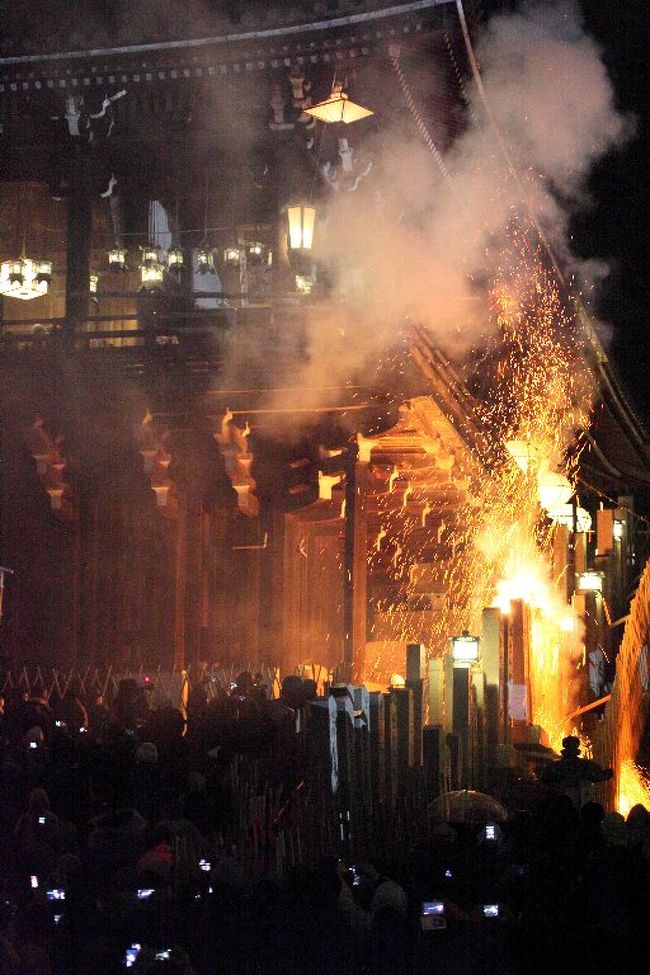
[{"x": 168, "y": 685}]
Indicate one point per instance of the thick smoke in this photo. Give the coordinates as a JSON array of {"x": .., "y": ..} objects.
[{"x": 411, "y": 244}]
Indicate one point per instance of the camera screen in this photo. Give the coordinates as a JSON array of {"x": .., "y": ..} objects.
[
  {"x": 433, "y": 907},
  {"x": 131, "y": 954},
  {"x": 163, "y": 955},
  {"x": 33, "y": 881},
  {"x": 490, "y": 910},
  {"x": 205, "y": 865},
  {"x": 41, "y": 820},
  {"x": 144, "y": 893},
  {"x": 56, "y": 895},
  {"x": 33, "y": 744}
]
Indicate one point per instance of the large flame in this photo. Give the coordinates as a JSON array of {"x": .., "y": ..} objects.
[
  {"x": 499, "y": 545},
  {"x": 633, "y": 787},
  {"x": 542, "y": 397}
]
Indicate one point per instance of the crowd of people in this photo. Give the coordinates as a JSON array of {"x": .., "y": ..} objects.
[{"x": 125, "y": 848}]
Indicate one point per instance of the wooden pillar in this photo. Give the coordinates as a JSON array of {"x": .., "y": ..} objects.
[
  {"x": 492, "y": 653},
  {"x": 180, "y": 601},
  {"x": 461, "y": 721},
  {"x": 415, "y": 672},
  {"x": 203, "y": 486},
  {"x": 355, "y": 566},
  {"x": 519, "y": 690},
  {"x": 79, "y": 243}
]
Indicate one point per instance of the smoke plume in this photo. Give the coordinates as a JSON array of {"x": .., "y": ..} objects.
[{"x": 412, "y": 244}]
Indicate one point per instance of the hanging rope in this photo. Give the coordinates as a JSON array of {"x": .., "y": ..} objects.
[
  {"x": 459, "y": 77},
  {"x": 394, "y": 53}
]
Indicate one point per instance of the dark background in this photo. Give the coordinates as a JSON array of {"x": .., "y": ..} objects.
[{"x": 617, "y": 228}]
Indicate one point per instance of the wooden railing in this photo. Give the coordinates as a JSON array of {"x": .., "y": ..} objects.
[{"x": 169, "y": 685}]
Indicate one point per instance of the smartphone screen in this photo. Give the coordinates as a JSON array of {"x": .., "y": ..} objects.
[
  {"x": 432, "y": 916},
  {"x": 490, "y": 910},
  {"x": 56, "y": 895},
  {"x": 131, "y": 954},
  {"x": 33, "y": 880},
  {"x": 433, "y": 907},
  {"x": 144, "y": 893}
]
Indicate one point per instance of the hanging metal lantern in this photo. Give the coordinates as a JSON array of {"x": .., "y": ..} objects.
[
  {"x": 24, "y": 278},
  {"x": 304, "y": 284},
  {"x": 117, "y": 259},
  {"x": 339, "y": 107},
  {"x": 44, "y": 272},
  {"x": 175, "y": 259},
  {"x": 205, "y": 260},
  {"x": 301, "y": 221},
  {"x": 231, "y": 256},
  {"x": 257, "y": 252},
  {"x": 152, "y": 271}
]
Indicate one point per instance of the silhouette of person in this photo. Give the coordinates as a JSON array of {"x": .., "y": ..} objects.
[{"x": 573, "y": 775}]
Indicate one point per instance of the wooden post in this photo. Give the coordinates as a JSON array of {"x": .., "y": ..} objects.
[
  {"x": 355, "y": 566},
  {"x": 181, "y": 583},
  {"x": 79, "y": 234}
]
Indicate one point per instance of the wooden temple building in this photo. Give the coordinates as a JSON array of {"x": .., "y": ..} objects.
[{"x": 170, "y": 491}]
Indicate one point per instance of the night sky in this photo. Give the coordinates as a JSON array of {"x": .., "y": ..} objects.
[{"x": 616, "y": 229}]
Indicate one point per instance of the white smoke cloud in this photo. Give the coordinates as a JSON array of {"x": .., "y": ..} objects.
[
  {"x": 415, "y": 243},
  {"x": 550, "y": 93}
]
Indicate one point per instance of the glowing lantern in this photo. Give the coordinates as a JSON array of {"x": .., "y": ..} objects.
[
  {"x": 464, "y": 649},
  {"x": 338, "y": 108},
  {"x": 44, "y": 272},
  {"x": 396, "y": 680},
  {"x": 301, "y": 227},
  {"x": 304, "y": 284},
  {"x": 563, "y": 515},
  {"x": 231, "y": 256},
  {"x": 175, "y": 259},
  {"x": 589, "y": 581},
  {"x": 553, "y": 490},
  {"x": 117, "y": 259},
  {"x": 152, "y": 271},
  {"x": 205, "y": 260},
  {"x": 24, "y": 278},
  {"x": 258, "y": 253}
]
